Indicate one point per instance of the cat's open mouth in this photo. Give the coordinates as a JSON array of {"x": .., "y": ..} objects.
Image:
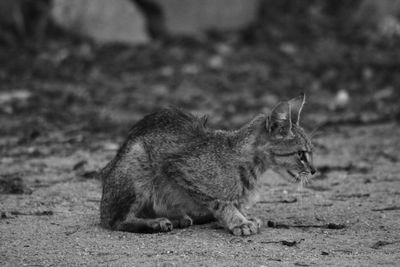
[{"x": 302, "y": 176}]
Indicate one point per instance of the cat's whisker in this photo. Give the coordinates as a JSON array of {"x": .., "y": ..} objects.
[
  {"x": 315, "y": 131},
  {"x": 304, "y": 178}
]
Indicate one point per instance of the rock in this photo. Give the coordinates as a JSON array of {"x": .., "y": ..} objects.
[
  {"x": 117, "y": 21},
  {"x": 341, "y": 100},
  {"x": 110, "y": 146},
  {"x": 193, "y": 17},
  {"x": 380, "y": 14},
  {"x": 14, "y": 96},
  {"x": 215, "y": 62}
]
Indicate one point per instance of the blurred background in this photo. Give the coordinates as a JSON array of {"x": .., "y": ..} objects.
[{"x": 95, "y": 67}]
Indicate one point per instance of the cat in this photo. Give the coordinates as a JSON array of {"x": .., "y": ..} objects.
[{"x": 172, "y": 171}]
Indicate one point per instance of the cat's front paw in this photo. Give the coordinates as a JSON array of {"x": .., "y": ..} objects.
[
  {"x": 245, "y": 229},
  {"x": 186, "y": 221},
  {"x": 256, "y": 221}
]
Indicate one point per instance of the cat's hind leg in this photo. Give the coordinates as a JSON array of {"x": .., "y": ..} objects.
[
  {"x": 183, "y": 221},
  {"x": 203, "y": 218},
  {"x": 144, "y": 225},
  {"x": 132, "y": 223},
  {"x": 122, "y": 215}
]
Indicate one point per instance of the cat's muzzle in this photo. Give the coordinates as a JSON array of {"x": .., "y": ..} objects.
[{"x": 299, "y": 177}]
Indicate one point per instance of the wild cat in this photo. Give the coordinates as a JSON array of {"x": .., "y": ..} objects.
[{"x": 173, "y": 171}]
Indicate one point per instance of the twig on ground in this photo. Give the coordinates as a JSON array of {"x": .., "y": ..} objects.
[
  {"x": 388, "y": 208},
  {"x": 284, "y": 242},
  {"x": 36, "y": 213},
  {"x": 344, "y": 197},
  {"x": 380, "y": 244},
  {"x": 286, "y": 201},
  {"x": 300, "y": 264},
  {"x": 350, "y": 167},
  {"x": 326, "y": 226}
]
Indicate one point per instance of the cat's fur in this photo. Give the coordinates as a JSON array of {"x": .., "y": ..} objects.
[{"x": 172, "y": 171}]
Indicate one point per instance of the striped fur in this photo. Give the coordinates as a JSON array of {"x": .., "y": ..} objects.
[{"x": 172, "y": 171}]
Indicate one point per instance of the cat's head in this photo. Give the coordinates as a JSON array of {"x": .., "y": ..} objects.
[{"x": 290, "y": 148}]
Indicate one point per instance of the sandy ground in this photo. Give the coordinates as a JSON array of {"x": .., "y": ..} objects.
[{"x": 349, "y": 215}]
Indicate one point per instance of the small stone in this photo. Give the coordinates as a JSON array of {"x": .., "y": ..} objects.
[
  {"x": 342, "y": 99},
  {"x": 110, "y": 146},
  {"x": 190, "y": 69},
  {"x": 102, "y": 20},
  {"x": 215, "y": 62},
  {"x": 15, "y": 95},
  {"x": 288, "y": 48}
]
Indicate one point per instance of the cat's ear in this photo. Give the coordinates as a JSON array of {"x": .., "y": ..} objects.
[
  {"x": 296, "y": 105},
  {"x": 279, "y": 121}
]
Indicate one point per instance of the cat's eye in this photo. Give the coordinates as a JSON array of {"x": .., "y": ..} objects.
[{"x": 302, "y": 155}]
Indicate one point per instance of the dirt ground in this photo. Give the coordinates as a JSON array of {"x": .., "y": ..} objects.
[
  {"x": 347, "y": 216},
  {"x": 65, "y": 107}
]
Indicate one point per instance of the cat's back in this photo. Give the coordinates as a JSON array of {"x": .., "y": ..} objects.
[
  {"x": 163, "y": 132},
  {"x": 167, "y": 121}
]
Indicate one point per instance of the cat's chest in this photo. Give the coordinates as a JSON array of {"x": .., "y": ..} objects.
[
  {"x": 248, "y": 177},
  {"x": 249, "y": 198}
]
